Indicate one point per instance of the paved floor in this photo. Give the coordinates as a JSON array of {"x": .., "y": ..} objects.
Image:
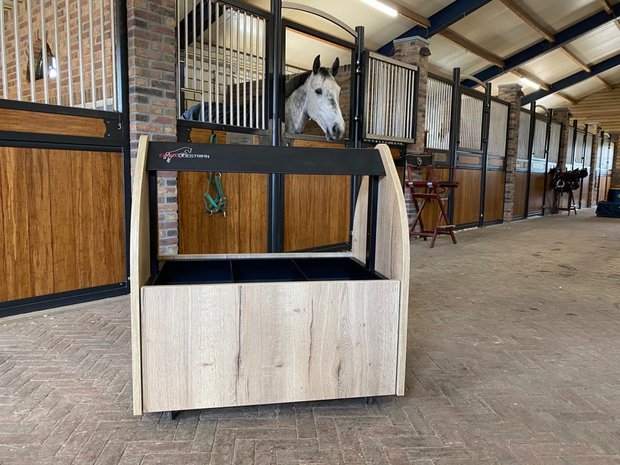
[{"x": 514, "y": 358}]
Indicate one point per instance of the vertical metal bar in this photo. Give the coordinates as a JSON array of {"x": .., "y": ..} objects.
[
  {"x": 104, "y": 70},
  {"x": 356, "y": 118},
  {"x": 186, "y": 61},
  {"x": 217, "y": 64},
  {"x": 368, "y": 91},
  {"x": 91, "y": 38},
  {"x": 69, "y": 63},
  {"x": 80, "y": 52},
  {"x": 113, "y": 53},
  {"x": 263, "y": 111},
  {"x": 245, "y": 70},
  {"x": 231, "y": 86},
  {"x": 530, "y": 152},
  {"x": 583, "y": 163},
  {"x": 275, "y": 234},
  {"x": 5, "y": 92},
  {"x": 486, "y": 129},
  {"x": 17, "y": 50},
  {"x": 250, "y": 102},
  {"x": 547, "y": 143},
  {"x": 178, "y": 73},
  {"x": 31, "y": 62},
  {"x": 455, "y": 128},
  {"x": 371, "y": 219},
  {"x": 225, "y": 65},
  {"x": 57, "y": 52},
  {"x": 202, "y": 61},
  {"x": 43, "y": 52},
  {"x": 195, "y": 38},
  {"x": 238, "y": 86},
  {"x": 210, "y": 67}
]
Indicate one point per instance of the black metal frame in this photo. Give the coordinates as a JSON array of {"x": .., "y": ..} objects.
[
  {"x": 530, "y": 148},
  {"x": 115, "y": 140}
]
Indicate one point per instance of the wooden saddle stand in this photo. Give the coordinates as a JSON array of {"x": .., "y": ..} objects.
[{"x": 430, "y": 189}]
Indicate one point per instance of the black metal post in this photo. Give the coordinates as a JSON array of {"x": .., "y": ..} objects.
[
  {"x": 275, "y": 233},
  {"x": 547, "y": 143},
  {"x": 530, "y": 149},
  {"x": 455, "y": 127},
  {"x": 583, "y": 162},
  {"x": 575, "y": 123},
  {"x": 356, "y": 130},
  {"x": 122, "y": 86},
  {"x": 486, "y": 127},
  {"x": 371, "y": 225},
  {"x": 600, "y": 158}
]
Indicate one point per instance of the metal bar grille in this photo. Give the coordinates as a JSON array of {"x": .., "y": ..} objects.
[
  {"x": 588, "y": 158},
  {"x": 497, "y": 129},
  {"x": 540, "y": 134},
  {"x": 471, "y": 122},
  {"x": 578, "y": 162},
  {"x": 223, "y": 64},
  {"x": 554, "y": 144},
  {"x": 524, "y": 135},
  {"x": 58, "y": 52},
  {"x": 438, "y": 105},
  {"x": 569, "y": 149},
  {"x": 390, "y": 101}
]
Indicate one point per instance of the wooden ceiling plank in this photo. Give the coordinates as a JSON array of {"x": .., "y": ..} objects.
[
  {"x": 526, "y": 74},
  {"x": 528, "y": 19},
  {"x": 473, "y": 48},
  {"x": 576, "y": 59},
  {"x": 408, "y": 13}
]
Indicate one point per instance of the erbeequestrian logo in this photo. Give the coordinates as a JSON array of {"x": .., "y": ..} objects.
[{"x": 183, "y": 152}]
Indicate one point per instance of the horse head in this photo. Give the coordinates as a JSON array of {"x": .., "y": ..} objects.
[{"x": 315, "y": 95}]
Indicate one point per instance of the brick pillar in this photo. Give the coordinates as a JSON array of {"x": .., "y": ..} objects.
[
  {"x": 596, "y": 139},
  {"x": 512, "y": 94},
  {"x": 562, "y": 116},
  {"x": 615, "y": 171},
  {"x": 410, "y": 51},
  {"x": 152, "y": 95}
]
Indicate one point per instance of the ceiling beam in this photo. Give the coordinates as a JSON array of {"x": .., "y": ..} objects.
[
  {"x": 573, "y": 79},
  {"x": 566, "y": 97},
  {"x": 606, "y": 6},
  {"x": 408, "y": 13},
  {"x": 605, "y": 83},
  {"x": 441, "y": 20},
  {"x": 540, "y": 48},
  {"x": 472, "y": 47},
  {"x": 528, "y": 19},
  {"x": 525, "y": 74},
  {"x": 576, "y": 59}
]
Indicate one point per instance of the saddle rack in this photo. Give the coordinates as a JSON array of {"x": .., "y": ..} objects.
[{"x": 429, "y": 188}]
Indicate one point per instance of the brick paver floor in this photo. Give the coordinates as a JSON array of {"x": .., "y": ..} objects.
[{"x": 514, "y": 358}]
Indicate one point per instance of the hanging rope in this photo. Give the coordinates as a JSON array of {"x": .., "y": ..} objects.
[{"x": 216, "y": 202}]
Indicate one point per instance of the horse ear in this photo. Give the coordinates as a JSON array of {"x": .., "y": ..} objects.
[
  {"x": 317, "y": 64},
  {"x": 335, "y": 66}
]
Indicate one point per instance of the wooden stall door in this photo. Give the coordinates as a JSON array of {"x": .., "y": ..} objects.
[
  {"x": 494, "y": 198},
  {"x": 62, "y": 221}
]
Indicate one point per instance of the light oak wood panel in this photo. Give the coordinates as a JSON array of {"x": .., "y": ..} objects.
[
  {"x": 62, "y": 223},
  {"x": 243, "y": 230},
  {"x": 218, "y": 345},
  {"x": 139, "y": 267},
  {"x": 33, "y": 122},
  {"x": 537, "y": 192},
  {"x": 494, "y": 197},
  {"x": 467, "y": 196},
  {"x": 520, "y": 191}
]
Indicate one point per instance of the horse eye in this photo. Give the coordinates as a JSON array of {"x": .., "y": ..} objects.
[{"x": 319, "y": 91}]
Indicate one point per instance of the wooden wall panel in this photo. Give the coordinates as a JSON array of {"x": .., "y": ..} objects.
[
  {"x": 32, "y": 122},
  {"x": 519, "y": 194},
  {"x": 467, "y": 196},
  {"x": 494, "y": 199},
  {"x": 537, "y": 187},
  {"x": 243, "y": 230},
  {"x": 62, "y": 230}
]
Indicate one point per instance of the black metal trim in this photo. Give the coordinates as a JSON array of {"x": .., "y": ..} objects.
[
  {"x": 56, "y": 146},
  {"x": 58, "y": 109},
  {"x": 583, "y": 163},
  {"x": 153, "y": 223},
  {"x": 371, "y": 222},
  {"x": 187, "y": 124},
  {"x": 61, "y": 299},
  {"x": 289, "y": 24},
  {"x": 248, "y": 8},
  {"x": 115, "y": 141},
  {"x": 486, "y": 128},
  {"x": 336, "y": 247},
  {"x": 359, "y": 63},
  {"x": 455, "y": 127},
  {"x": 494, "y": 222},
  {"x": 530, "y": 148},
  {"x": 459, "y": 227},
  {"x": 547, "y": 144}
]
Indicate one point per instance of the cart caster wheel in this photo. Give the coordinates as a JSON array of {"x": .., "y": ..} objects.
[
  {"x": 369, "y": 400},
  {"x": 169, "y": 415}
]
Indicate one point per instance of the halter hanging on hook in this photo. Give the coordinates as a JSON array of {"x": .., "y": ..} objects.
[{"x": 215, "y": 203}]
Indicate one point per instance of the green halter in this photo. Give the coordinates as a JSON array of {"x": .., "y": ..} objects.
[{"x": 215, "y": 203}]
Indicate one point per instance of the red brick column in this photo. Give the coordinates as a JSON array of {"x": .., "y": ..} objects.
[
  {"x": 152, "y": 95},
  {"x": 615, "y": 171},
  {"x": 562, "y": 116},
  {"x": 512, "y": 94}
]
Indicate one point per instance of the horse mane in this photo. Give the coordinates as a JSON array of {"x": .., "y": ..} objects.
[{"x": 298, "y": 80}]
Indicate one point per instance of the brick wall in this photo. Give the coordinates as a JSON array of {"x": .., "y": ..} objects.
[
  {"x": 64, "y": 62},
  {"x": 512, "y": 94},
  {"x": 152, "y": 96}
]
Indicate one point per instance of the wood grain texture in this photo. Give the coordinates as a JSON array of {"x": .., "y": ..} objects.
[
  {"x": 243, "y": 344},
  {"x": 520, "y": 191},
  {"x": 494, "y": 199},
  {"x": 57, "y": 204},
  {"x": 467, "y": 196},
  {"x": 139, "y": 242},
  {"x": 32, "y": 122},
  {"x": 243, "y": 230},
  {"x": 537, "y": 193}
]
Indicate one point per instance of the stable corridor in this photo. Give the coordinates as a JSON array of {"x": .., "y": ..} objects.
[{"x": 514, "y": 358}]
